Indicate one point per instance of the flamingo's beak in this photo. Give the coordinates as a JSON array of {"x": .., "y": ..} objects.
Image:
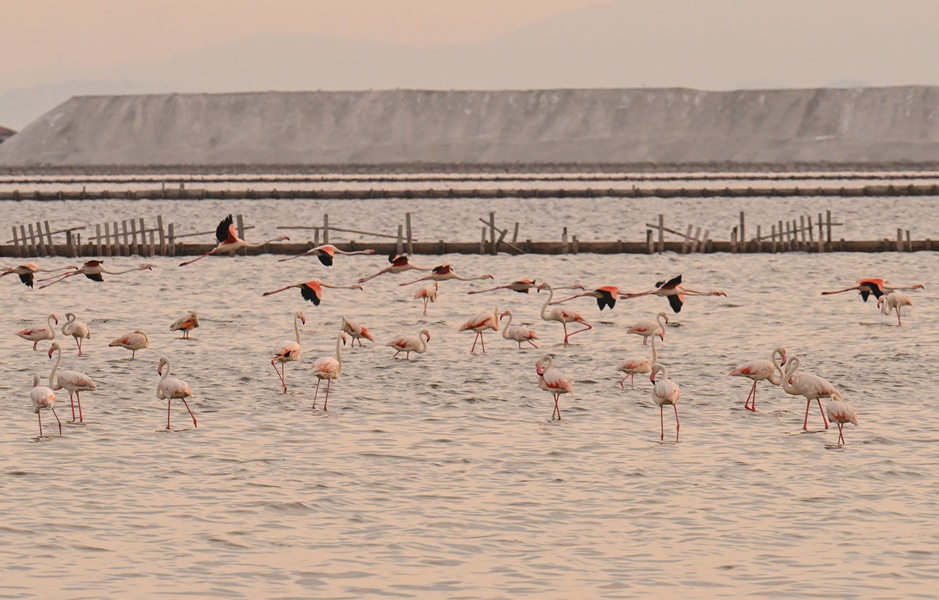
[
  {"x": 661, "y": 336},
  {"x": 539, "y": 370}
]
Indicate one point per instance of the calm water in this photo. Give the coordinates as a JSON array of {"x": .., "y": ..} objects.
[{"x": 444, "y": 476}]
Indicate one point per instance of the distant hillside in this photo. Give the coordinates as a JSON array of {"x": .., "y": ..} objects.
[{"x": 593, "y": 126}]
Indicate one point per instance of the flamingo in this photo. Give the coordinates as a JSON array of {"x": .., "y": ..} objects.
[
  {"x": 356, "y": 332},
  {"x": 648, "y": 329},
  {"x": 186, "y": 323},
  {"x": 328, "y": 368},
  {"x": 93, "y": 270},
  {"x": 758, "y": 370},
  {"x": 73, "y": 381},
  {"x": 892, "y": 302},
  {"x": 673, "y": 290},
  {"x": 445, "y": 272},
  {"x": 37, "y": 334},
  {"x": 428, "y": 293},
  {"x": 874, "y": 286},
  {"x": 665, "y": 392},
  {"x": 553, "y": 381},
  {"x": 399, "y": 264},
  {"x": 76, "y": 329},
  {"x": 483, "y": 320},
  {"x": 812, "y": 387},
  {"x": 521, "y": 286},
  {"x": 518, "y": 333},
  {"x": 410, "y": 343},
  {"x": 171, "y": 388},
  {"x": 27, "y": 271},
  {"x": 561, "y": 315},
  {"x": 228, "y": 240},
  {"x": 288, "y": 351},
  {"x": 313, "y": 290},
  {"x": 133, "y": 341},
  {"x": 637, "y": 365},
  {"x": 43, "y": 397},
  {"x": 326, "y": 253},
  {"x": 839, "y": 412},
  {"x": 606, "y": 296}
]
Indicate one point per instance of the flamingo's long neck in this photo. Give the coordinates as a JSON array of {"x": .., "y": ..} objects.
[
  {"x": 776, "y": 376},
  {"x": 655, "y": 353},
  {"x": 664, "y": 373},
  {"x": 791, "y": 369},
  {"x": 548, "y": 364},
  {"x": 423, "y": 341},
  {"x": 51, "y": 328},
  {"x": 544, "y": 308},
  {"x": 58, "y": 358},
  {"x": 658, "y": 319},
  {"x": 339, "y": 350},
  {"x": 505, "y": 332},
  {"x": 296, "y": 328}
]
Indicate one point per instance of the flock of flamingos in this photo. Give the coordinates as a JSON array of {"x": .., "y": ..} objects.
[{"x": 778, "y": 369}]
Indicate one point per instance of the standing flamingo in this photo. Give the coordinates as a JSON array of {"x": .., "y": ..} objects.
[
  {"x": 76, "y": 329},
  {"x": 606, "y": 296},
  {"x": 186, "y": 323},
  {"x": 328, "y": 368},
  {"x": 133, "y": 341},
  {"x": 428, "y": 293},
  {"x": 518, "y": 333},
  {"x": 673, "y": 290},
  {"x": 839, "y": 412},
  {"x": 521, "y": 286},
  {"x": 313, "y": 290},
  {"x": 665, "y": 392},
  {"x": 356, "y": 332},
  {"x": 228, "y": 240},
  {"x": 93, "y": 270},
  {"x": 410, "y": 343},
  {"x": 561, "y": 315},
  {"x": 445, "y": 272},
  {"x": 288, "y": 351},
  {"x": 812, "y": 387},
  {"x": 73, "y": 381},
  {"x": 37, "y": 334},
  {"x": 553, "y": 381},
  {"x": 758, "y": 370},
  {"x": 43, "y": 397},
  {"x": 483, "y": 320},
  {"x": 874, "y": 286},
  {"x": 26, "y": 272},
  {"x": 399, "y": 264},
  {"x": 171, "y": 388},
  {"x": 648, "y": 329},
  {"x": 892, "y": 302},
  {"x": 326, "y": 254},
  {"x": 637, "y": 365}
]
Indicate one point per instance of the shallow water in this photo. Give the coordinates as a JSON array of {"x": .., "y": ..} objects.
[{"x": 444, "y": 476}]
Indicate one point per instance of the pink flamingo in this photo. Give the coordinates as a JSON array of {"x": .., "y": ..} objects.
[
  {"x": 665, "y": 392},
  {"x": 76, "y": 329},
  {"x": 38, "y": 334},
  {"x": 759, "y": 370},
  {"x": 483, "y": 320},
  {"x": 288, "y": 351},
  {"x": 356, "y": 332},
  {"x": 328, "y": 368},
  {"x": 186, "y": 323},
  {"x": 73, "y": 381},
  {"x": 673, "y": 290},
  {"x": 839, "y": 412},
  {"x": 170, "y": 389},
  {"x": 313, "y": 290},
  {"x": 812, "y": 387},
  {"x": 326, "y": 253},
  {"x": 228, "y": 240},
  {"x": 518, "y": 333},
  {"x": 428, "y": 293},
  {"x": 521, "y": 286},
  {"x": 445, "y": 272},
  {"x": 874, "y": 286},
  {"x": 892, "y": 302},
  {"x": 410, "y": 343},
  {"x": 562, "y": 315},
  {"x": 93, "y": 270},
  {"x": 26, "y": 272},
  {"x": 43, "y": 397},
  {"x": 553, "y": 381},
  {"x": 399, "y": 264},
  {"x": 133, "y": 341},
  {"x": 637, "y": 365},
  {"x": 606, "y": 296},
  {"x": 648, "y": 329}
]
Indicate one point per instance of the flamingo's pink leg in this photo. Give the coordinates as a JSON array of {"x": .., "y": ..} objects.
[
  {"x": 57, "y": 421},
  {"x": 316, "y": 393},
  {"x": 194, "y": 424},
  {"x": 824, "y": 419},
  {"x": 677, "y": 424},
  {"x": 168, "y": 400},
  {"x": 662, "y": 421},
  {"x": 325, "y": 402}
]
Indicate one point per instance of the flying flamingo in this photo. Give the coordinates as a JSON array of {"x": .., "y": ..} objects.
[
  {"x": 228, "y": 240},
  {"x": 521, "y": 286},
  {"x": 758, "y": 370},
  {"x": 673, "y": 290},
  {"x": 648, "y": 329},
  {"x": 326, "y": 254},
  {"x": 553, "y": 381},
  {"x": 186, "y": 323},
  {"x": 133, "y": 341},
  {"x": 812, "y": 387},
  {"x": 561, "y": 315},
  {"x": 428, "y": 293},
  {"x": 399, "y": 264},
  {"x": 27, "y": 271},
  {"x": 892, "y": 302},
  {"x": 606, "y": 296},
  {"x": 37, "y": 334},
  {"x": 356, "y": 332},
  {"x": 328, "y": 368},
  {"x": 874, "y": 286},
  {"x": 839, "y": 412},
  {"x": 73, "y": 381},
  {"x": 445, "y": 272},
  {"x": 313, "y": 290},
  {"x": 93, "y": 270},
  {"x": 637, "y": 365},
  {"x": 483, "y": 320},
  {"x": 518, "y": 333},
  {"x": 288, "y": 351},
  {"x": 76, "y": 329},
  {"x": 170, "y": 389},
  {"x": 410, "y": 343},
  {"x": 43, "y": 397},
  {"x": 665, "y": 392}
]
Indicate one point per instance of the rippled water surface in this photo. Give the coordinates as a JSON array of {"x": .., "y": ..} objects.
[{"x": 444, "y": 475}]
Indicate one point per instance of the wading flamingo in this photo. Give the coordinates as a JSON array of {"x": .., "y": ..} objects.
[
  {"x": 356, "y": 332},
  {"x": 445, "y": 272},
  {"x": 73, "y": 381},
  {"x": 77, "y": 329},
  {"x": 26, "y": 272},
  {"x": 483, "y": 320},
  {"x": 606, "y": 296},
  {"x": 517, "y": 333},
  {"x": 553, "y": 381},
  {"x": 328, "y": 368},
  {"x": 186, "y": 324},
  {"x": 313, "y": 290},
  {"x": 37, "y": 334},
  {"x": 839, "y": 412},
  {"x": 758, "y": 370},
  {"x": 561, "y": 315},
  {"x": 288, "y": 351},
  {"x": 673, "y": 290},
  {"x": 637, "y": 365},
  {"x": 228, "y": 240},
  {"x": 399, "y": 264},
  {"x": 93, "y": 270},
  {"x": 648, "y": 328},
  {"x": 874, "y": 286},
  {"x": 326, "y": 254},
  {"x": 170, "y": 389},
  {"x": 428, "y": 293},
  {"x": 812, "y": 387},
  {"x": 892, "y": 302},
  {"x": 43, "y": 397},
  {"x": 665, "y": 392},
  {"x": 410, "y": 343},
  {"x": 133, "y": 341}
]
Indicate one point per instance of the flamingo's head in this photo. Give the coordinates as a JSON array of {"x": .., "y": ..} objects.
[
  {"x": 368, "y": 251},
  {"x": 357, "y": 287},
  {"x": 303, "y": 319},
  {"x": 919, "y": 286},
  {"x": 652, "y": 377},
  {"x": 283, "y": 238},
  {"x": 782, "y": 357},
  {"x": 487, "y": 276},
  {"x": 880, "y": 302},
  {"x": 344, "y": 338},
  {"x": 163, "y": 361},
  {"x": 147, "y": 267},
  {"x": 661, "y": 334}
]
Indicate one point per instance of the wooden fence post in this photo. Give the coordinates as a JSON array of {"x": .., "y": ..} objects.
[
  {"x": 162, "y": 235},
  {"x": 400, "y": 246},
  {"x": 759, "y": 239},
  {"x": 650, "y": 245},
  {"x": 326, "y": 229},
  {"x": 492, "y": 232},
  {"x": 49, "y": 243},
  {"x": 743, "y": 234},
  {"x": 407, "y": 230},
  {"x": 239, "y": 227},
  {"x": 661, "y": 233},
  {"x": 143, "y": 239},
  {"x": 171, "y": 234},
  {"x": 98, "y": 236}
]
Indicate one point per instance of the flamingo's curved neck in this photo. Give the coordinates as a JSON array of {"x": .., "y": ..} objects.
[
  {"x": 791, "y": 369},
  {"x": 339, "y": 349},
  {"x": 166, "y": 371},
  {"x": 544, "y": 308},
  {"x": 548, "y": 364},
  {"x": 296, "y": 328},
  {"x": 49, "y": 321},
  {"x": 423, "y": 340},
  {"x": 58, "y": 358},
  {"x": 776, "y": 376},
  {"x": 505, "y": 332},
  {"x": 658, "y": 319},
  {"x": 655, "y": 352}
]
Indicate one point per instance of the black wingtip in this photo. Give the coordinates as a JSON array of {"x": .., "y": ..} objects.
[
  {"x": 325, "y": 258},
  {"x": 676, "y": 303}
]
